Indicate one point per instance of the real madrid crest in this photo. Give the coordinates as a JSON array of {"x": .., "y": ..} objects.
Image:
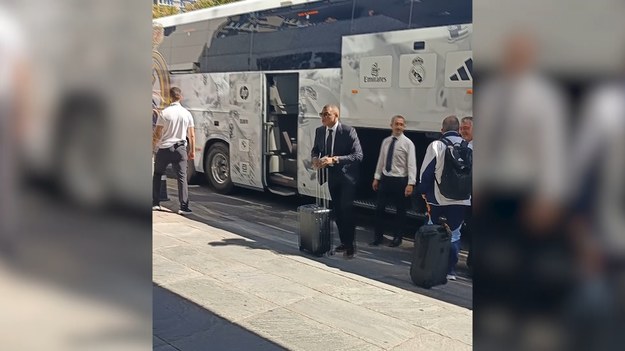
[{"x": 417, "y": 71}]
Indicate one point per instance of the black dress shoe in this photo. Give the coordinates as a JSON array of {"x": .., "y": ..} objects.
[
  {"x": 340, "y": 248},
  {"x": 396, "y": 242},
  {"x": 349, "y": 253},
  {"x": 375, "y": 242}
]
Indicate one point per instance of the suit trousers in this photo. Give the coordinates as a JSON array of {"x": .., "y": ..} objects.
[
  {"x": 343, "y": 192},
  {"x": 391, "y": 191}
]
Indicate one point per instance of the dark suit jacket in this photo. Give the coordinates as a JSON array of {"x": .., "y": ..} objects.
[{"x": 346, "y": 147}]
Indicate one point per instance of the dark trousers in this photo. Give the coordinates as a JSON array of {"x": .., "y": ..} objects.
[
  {"x": 391, "y": 191},
  {"x": 178, "y": 159},
  {"x": 342, "y": 192}
]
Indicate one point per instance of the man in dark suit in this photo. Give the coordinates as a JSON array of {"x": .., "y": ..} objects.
[{"x": 338, "y": 148}]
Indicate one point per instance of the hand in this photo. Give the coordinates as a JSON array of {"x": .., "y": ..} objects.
[
  {"x": 408, "y": 191},
  {"x": 326, "y": 161},
  {"x": 191, "y": 155},
  {"x": 316, "y": 163},
  {"x": 375, "y": 185},
  {"x": 541, "y": 215}
]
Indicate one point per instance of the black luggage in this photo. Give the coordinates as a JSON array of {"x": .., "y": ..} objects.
[
  {"x": 315, "y": 225},
  {"x": 430, "y": 259},
  {"x": 315, "y": 229}
]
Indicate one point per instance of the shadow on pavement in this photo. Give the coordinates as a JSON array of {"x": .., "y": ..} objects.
[
  {"x": 384, "y": 264},
  {"x": 180, "y": 324},
  {"x": 270, "y": 221}
]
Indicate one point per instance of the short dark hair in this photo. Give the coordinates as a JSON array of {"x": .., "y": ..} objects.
[
  {"x": 396, "y": 117},
  {"x": 467, "y": 119},
  {"x": 451, "y": 123},
  {"x": 175, "y": 93}
]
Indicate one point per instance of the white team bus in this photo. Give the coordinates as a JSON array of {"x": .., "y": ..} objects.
[{"x": 256, "y": 74}]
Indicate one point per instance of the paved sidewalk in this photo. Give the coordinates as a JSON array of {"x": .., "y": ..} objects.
[{"x": 289, "y": 299}]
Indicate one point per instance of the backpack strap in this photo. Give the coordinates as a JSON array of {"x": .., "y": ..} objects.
[{"x": 446, "y": 141}]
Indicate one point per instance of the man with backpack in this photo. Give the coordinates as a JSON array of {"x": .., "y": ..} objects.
[{"x": 445, "y": 182}]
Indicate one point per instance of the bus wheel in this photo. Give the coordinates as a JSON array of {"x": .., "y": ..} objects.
[{"x": 217, "y": 168}]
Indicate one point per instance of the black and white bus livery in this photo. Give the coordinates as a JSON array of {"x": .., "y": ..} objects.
[{"x": 256, "y": 74}]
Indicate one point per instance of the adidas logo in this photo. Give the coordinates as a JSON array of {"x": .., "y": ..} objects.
[{"x": 464, "y": 73}]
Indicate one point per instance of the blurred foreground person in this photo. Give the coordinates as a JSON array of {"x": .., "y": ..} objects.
[
  {"x": 597, "y": 308},
  {"x": 14, "y": 82},
  {"x": 521, "y": 256}
]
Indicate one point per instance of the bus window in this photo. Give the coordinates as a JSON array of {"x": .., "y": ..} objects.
[
  {"x": 371, "y": 16},
  {"x": 432, "y": 13}
]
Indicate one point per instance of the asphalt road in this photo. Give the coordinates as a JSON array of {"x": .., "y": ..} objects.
[{"x": 271, "y": 221}]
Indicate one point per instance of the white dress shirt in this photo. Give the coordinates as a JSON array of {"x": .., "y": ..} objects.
[{"x": 404, "y": 163}]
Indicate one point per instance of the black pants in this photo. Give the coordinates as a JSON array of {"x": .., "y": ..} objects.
[
  {"x": 178, "y": 158},
  {"x": 342, "y": 192},
  {"x": 391, "y": 191}
]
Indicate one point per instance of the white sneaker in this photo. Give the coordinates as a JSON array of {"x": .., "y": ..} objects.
[
  {"x": 451, "y": 277},
  {"x": 157, "y": 208},
  {"x": 185, "y": 211}
]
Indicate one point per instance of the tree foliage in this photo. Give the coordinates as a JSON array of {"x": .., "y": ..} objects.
[{"x": 164, "y": 10}]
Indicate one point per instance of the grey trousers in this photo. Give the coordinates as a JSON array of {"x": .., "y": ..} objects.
[{"x": 178, "y": 160}]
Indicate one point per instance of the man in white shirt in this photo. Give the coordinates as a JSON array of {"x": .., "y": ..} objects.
[
  {"x": 394, "y": 179},
  {"x": 173, "y": 127}
]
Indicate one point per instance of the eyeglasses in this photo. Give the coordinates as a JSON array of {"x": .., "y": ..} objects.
[{"x": 325, "y": 114}]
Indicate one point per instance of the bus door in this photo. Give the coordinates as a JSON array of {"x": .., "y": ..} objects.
[
  {"x": 318, "y": 87},
  {"x": 282, "y": 90},
  {"x": 246, "y": 125}
]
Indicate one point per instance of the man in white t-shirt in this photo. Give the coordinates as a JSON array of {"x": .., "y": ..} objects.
[{"x": 173, "y": 127}]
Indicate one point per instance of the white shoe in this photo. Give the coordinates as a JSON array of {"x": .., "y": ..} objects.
[
  {"x": 451, "y": 277},
  {"x": 157, "y": 208},
  {"x": 185, "y": 211}
]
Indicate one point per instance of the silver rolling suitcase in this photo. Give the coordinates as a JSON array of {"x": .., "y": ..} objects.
[{"x": 315, "y": 225}]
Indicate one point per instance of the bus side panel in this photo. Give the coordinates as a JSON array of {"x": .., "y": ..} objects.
[
  {"x": 246, "y": 140},
  {"x": 317, "y": 88},
  {"x": 423, "y": 74},
  {"x": 206, "y": 97}
]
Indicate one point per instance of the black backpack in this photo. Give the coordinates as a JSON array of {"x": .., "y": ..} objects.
[{"x": 456, "y": 181}]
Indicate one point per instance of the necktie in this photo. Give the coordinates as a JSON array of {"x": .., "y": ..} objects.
[
  {"x": 389, "y": 155},
  {"x": 329, "y": 143}
]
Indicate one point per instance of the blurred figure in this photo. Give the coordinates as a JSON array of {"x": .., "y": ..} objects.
[
  {"x": 521, "y": 256},
  {"x": 598, "y": 221},
  {"x": 14, "y": 92}
]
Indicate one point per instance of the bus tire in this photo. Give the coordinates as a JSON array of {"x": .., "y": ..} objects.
[{"x": 217, "y": 168}]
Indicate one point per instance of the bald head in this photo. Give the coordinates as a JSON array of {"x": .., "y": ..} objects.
[{"x": 451, "y": 123}]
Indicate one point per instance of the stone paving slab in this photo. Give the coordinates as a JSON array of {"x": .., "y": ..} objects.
[
  {"x": 375, "y": 328},
  {"x": 294, "y": 301},
  {"x": 220, "y": 299},
  {"x": 167, "y": 271},
  {"x": 298, "y": 332},
  {"x": 432, "y": 341}
]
